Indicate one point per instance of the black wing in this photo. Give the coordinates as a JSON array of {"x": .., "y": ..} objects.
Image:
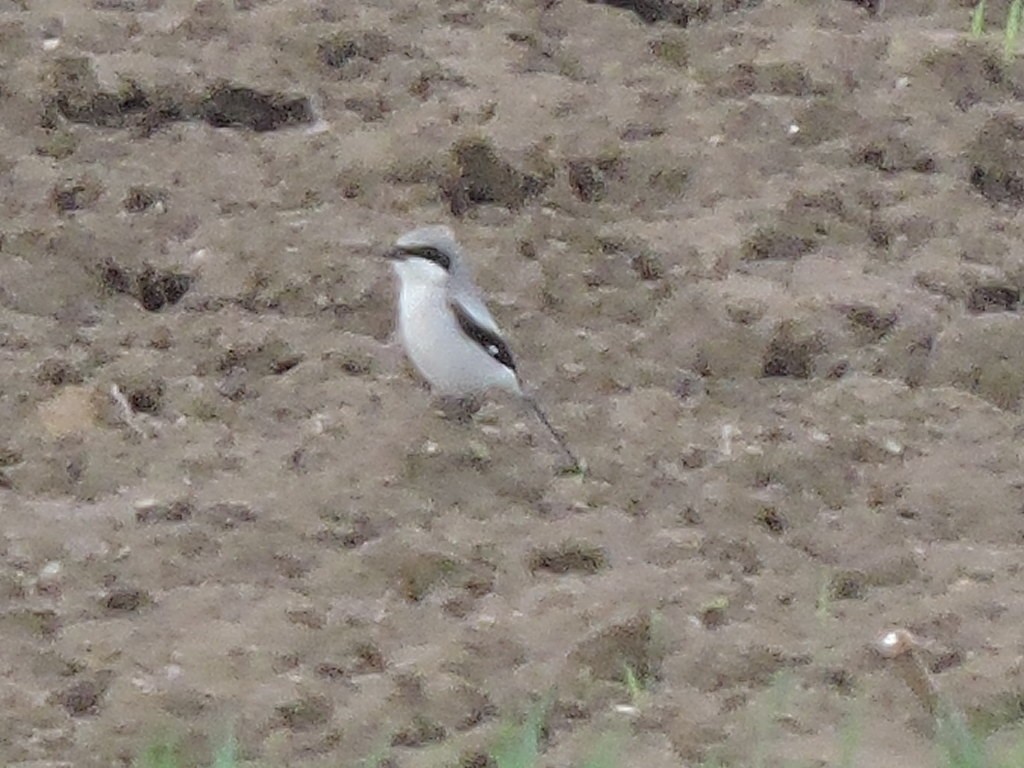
[{"x": 491, "y": 342}]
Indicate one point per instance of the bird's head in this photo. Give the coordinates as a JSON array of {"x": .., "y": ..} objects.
[{"x": 427, "y": 254}]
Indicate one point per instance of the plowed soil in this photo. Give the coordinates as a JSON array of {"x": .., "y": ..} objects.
[{"x": 761, "y": 260}]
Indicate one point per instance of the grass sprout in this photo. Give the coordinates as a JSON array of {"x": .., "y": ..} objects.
[
  {"x": 226, "y": 755},
  {"x": 165, "y": 754},
  {"x": 519, "y": 747},
  {"x": 978, "y": 19},
  {"x": 1011, "y": 29},
  {"x": 823, "y": 603},
  {"x": 159, "y": 755},
  {"x": 850, "y": 737},
  {"x": 634, "y": 686},
  {"x": 959, "y": 747},
  {"x": 957, "y": 744},
  {"x": 379, "y": 754}
]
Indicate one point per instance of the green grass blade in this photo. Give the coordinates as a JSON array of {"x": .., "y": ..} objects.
[
  {"x": 520, "y": 747},
  {"x": 1012, "y": 29},
  {"x": 227, "y": 754},
  {"x": 849, "y": 741},
  {"x": 958, "y": 746},
  {"x": 633, "y": 685},
  {"x": 159, "y": 756},
  {"x": 978, "y": 19}
]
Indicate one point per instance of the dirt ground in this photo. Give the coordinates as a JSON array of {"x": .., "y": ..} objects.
[{"x": 761, "y": 259}]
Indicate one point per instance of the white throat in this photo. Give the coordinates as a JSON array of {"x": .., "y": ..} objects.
[{"x": 413, "y": 272}]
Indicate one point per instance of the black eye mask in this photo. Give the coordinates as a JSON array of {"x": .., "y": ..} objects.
[{"x": 435, "y": 255}]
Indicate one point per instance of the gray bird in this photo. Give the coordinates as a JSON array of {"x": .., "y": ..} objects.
[{"x": 445, "y": 327}]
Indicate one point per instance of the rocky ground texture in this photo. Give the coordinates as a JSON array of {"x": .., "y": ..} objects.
[{"x": 762, "y": 260}]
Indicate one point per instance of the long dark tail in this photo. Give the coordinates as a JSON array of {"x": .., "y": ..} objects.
[{"x": 576, "y": 465}]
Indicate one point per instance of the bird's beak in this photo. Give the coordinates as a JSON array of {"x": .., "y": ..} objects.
[{"x": 394, "y": 254}]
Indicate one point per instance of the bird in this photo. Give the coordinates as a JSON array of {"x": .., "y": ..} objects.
[{"x": 445, "y": 328}]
